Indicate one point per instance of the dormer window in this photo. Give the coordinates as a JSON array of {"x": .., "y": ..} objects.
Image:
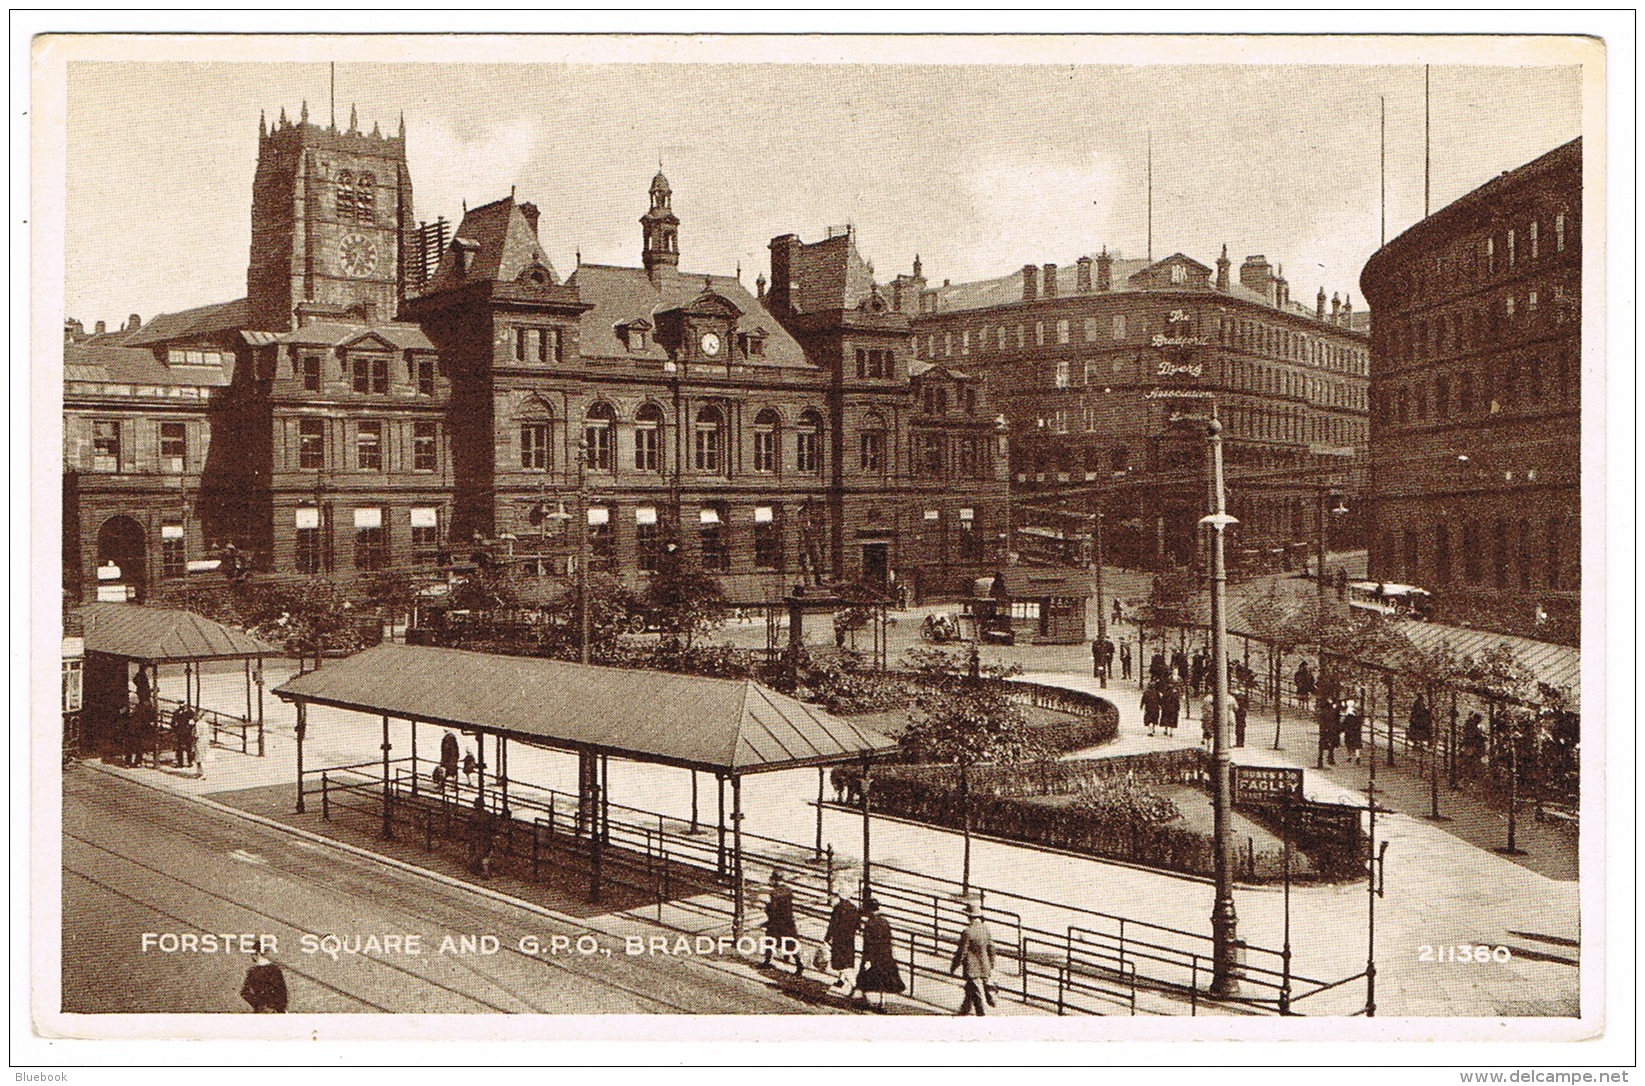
[
  {"x": 751, "y": 344},
  {"x": 635, "y": 335},
  {"x": 540, "y": 346}
]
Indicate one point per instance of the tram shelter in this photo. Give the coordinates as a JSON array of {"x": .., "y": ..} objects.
[
  {"x": 128, "y": 641},
  {"x": 729, "y": 728}
]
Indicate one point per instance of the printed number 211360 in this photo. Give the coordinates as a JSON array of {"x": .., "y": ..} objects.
[{"x": 1463, "y": 953}]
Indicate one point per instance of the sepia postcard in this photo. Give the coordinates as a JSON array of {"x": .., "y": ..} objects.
[{"x": 737, "y": 537}]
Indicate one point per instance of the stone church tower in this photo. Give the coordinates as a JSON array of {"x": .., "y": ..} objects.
[{"x": 331, "y": 224}]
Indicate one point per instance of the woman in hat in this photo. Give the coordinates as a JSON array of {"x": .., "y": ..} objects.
[{"x": 879, "y": 961}]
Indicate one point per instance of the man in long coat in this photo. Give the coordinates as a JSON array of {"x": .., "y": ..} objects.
[
  {"x": 974, "y": 961},
  {"x": 1151, "y": 707},
  {"x": 1170, "y": 708}
]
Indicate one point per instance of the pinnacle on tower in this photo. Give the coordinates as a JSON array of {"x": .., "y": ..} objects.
[
  {"x": 402, "y": 124},
  {"x": 353, "y": 119},
  {"x": 376, "y": 131},
  {"x": 303, "y": 117},
  {"x": 262, "y": 124},
  {"x": 283, "y": 122}
]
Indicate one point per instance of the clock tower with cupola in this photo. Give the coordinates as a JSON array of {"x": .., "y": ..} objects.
[{"x": 330, "y": 217}]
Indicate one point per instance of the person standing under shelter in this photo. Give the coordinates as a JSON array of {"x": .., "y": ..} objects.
[
  {"x": 1421, "y": 729},
  {"x": 974, "y": 961},
  {"x": 1125, "y": 659},
  {"x": 1328, "y": 734},
  {"x": 1350, "y": 725},
  {"x": 182, "y": 734}
]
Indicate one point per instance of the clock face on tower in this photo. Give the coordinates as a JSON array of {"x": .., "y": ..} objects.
[
  {"x": 711, "y": 344},
  {"x": 357, "y": 254}
]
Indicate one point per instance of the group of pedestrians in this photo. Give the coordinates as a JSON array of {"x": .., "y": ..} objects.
[
  {"x": 137, "y": 730},
  {"x": 852, "y": 926}
]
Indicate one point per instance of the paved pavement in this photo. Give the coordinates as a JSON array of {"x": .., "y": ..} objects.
[
  {"x": 1442, "y": 890},
  {"x": 136, "y": 861}
]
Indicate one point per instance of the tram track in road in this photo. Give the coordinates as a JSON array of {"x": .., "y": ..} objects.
[{"x": 348, "y": 878}]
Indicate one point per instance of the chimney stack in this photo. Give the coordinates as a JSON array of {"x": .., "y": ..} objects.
[
  {"x": 759, "y": 286},
  {"x": 531, "y": 215},
  {"x": 1257, "y": 274},
  {"x": 1319, "y": 305},
  {"x": 1336, "y": 308},
  {"x": 368, "y": 311},
  {"x": 1049, "y": 286},
  {"x": 1030, "y": 282},
  {"x": 784, "y": 250},
  {"x": 1105, "y": 271},
  {"x": 1347, "y": 310},
  {"x": 1083, "y": 280},
  {"x": 101, "y": 326},
  {"x": 133, "y": 323},
  {"x": 1282, "y": 289},
  {"x": 1222, "y": 269}
]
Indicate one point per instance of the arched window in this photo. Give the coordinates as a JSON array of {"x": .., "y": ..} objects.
[
  {"x": 365, "y": 197},
  {"x": 872, "y": 443},
  {"x": 708, "y": 441},
  {"x": 648, "y": 438},
  {"x": 345, "y": 195},
  {"x": 808, "y": 443},
  {"x": 767, "y": 441},
  {"x": 536, "y": 442},
  {"x": 599, "y": 434}
]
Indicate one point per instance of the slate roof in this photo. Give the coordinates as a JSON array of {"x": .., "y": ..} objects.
[
  {"x": 505, "y": 244},
  {"x": 337, "y": 333},
  {"x": 620, "y": 295},
  {"x": 1556, "y": 665},
  {"x": 101, "y": 364},
  {"x": 190, "y": 324},
  {"x": 724, "y": 725},
  {"x": 1007, "y": 289},
  {"x": 161, "y": 635}
]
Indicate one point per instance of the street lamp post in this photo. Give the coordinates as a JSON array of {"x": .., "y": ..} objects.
[
  {"x": 1102, "y": 612},
  {"x": 1224, "y": 921},
  {"x": 582, "y": 551}
]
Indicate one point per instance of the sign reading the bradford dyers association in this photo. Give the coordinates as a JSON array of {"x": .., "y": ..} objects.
[{"x": 1266, "y": 783}]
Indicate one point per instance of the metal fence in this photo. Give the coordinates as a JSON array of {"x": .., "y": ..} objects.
[{"x": 1051, "y": 955}]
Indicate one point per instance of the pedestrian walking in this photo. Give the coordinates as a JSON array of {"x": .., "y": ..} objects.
[
  {"x": 1328, "y": 737},
  {"x": 1096, "y": 658},
  {"x": 182, "y": 734},
  {"x": 1157, "y": 670},
  {"x": 202, "y": 757},
  {"x": 1242, "y": 707},
  {"x": 1125, "y": 660},
  {"x": 469, "y": 766},
  {"x": 1421, "y": 729},
  {"x": 1196, "y": 672},
  {"x": 1151, "y": 702},
  {"x": 841, "y": 937},
  {"x": 837, "y": 779},
  {"x": 779, "y": 922},
  {"x": 264, "y": 988},
  {"x": 1179, "y": 664},
  {"x": 974, "y": 961},
  {"x": 127, "y": 735},
  {"x": 1350, "y": 725},
  {"x": 1119, "y": 612},
  {"x": 879, "y": 959},
  {"x": 1170, "y": 708},
  {"x": 1208, "y": 711},
  {"x": 1304, "y": 680}
]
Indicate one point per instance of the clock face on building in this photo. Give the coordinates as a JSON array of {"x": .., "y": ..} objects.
[
  {"x": 711, "y": 344},
  {"x": 357, "y": 254}
]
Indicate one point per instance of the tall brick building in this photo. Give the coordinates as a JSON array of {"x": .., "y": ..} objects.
[
  {"x": 386, "y": 397},
  {"x": 1476, "y": 400},
  {"x": 1094, "y": 361}
]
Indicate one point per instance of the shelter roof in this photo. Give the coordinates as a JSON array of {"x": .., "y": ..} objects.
[
  {"x": 159, "y": 635},
  {"x": 1030, "y": 582},
  {"x": 717, "y": 725},
  {"x": 1555, "y": 665}
]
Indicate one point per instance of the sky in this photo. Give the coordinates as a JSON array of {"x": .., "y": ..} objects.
[{"x": 978, "y": 168}]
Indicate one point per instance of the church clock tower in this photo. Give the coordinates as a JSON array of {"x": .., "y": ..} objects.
[{"x": 331, "y": 218}]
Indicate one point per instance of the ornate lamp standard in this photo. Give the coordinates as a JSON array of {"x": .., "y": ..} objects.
[{"x": 1224, "y": 922}]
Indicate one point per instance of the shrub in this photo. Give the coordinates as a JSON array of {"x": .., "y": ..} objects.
[{"x": 1125, "y": 800}]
